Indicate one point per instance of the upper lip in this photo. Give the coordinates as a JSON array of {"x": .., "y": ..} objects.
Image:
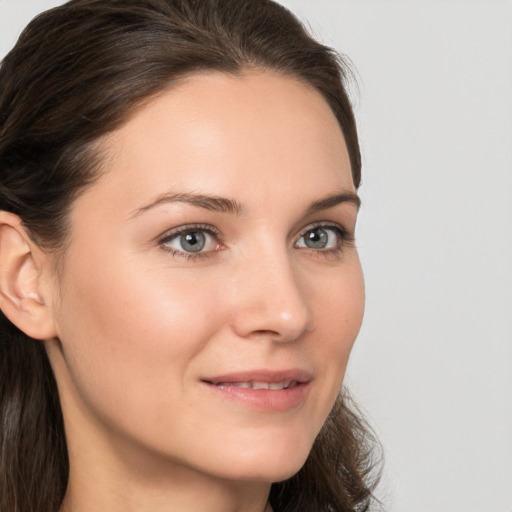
[{"x": 270, "y": 376}]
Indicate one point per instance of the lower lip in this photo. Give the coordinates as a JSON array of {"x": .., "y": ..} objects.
[{"x": 271, "y": 400}]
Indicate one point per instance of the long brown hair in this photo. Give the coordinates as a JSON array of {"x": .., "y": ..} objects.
[{"x": 77, "y": 72}]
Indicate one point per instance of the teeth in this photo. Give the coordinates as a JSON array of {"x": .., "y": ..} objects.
[
  {"x": 235, "y": 384},
  {"x": 242, "y": 384},
  {"x": 260, "y": 385}
]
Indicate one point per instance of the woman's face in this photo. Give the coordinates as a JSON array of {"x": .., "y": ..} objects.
[{"x": 211, "y": 293}]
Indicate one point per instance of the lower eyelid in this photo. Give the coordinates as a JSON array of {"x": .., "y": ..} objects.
[{"x": 186, "y": 255}]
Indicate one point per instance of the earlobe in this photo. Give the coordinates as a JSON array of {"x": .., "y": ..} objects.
[{"x": 20, "y": 296}]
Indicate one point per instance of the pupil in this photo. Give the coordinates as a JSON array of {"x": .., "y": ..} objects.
[
  {"x": 193, "y": 242},
  {"x": 316, "y": 239}
]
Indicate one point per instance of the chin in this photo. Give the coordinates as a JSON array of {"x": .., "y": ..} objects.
[
  {"x": 273, "y": 471},
  {"x": 268, "y": 463}
]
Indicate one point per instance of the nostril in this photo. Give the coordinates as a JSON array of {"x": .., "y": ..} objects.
[{"x": 265, "y": 333}]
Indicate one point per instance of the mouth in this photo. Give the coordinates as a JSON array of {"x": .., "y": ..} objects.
[
  {"x": 263, "y": 390},
  {"x": 257, "y": 384}
]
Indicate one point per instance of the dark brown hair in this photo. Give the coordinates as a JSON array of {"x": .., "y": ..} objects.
[{"x": 78, "y": 72}]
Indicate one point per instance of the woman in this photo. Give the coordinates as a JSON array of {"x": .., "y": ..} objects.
[{"x": 180, "y": 286}]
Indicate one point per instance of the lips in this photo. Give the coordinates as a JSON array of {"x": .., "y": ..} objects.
[{"x": 263, "y": 390}]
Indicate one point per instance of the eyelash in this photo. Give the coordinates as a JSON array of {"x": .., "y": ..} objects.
[
  {"x": 184, "y": 230},
  {"x": 344, "y": 239}
]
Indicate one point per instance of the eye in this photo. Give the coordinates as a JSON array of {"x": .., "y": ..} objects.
[
  {"x": 191, "y": 240},
  {"x": 323, "y": 238}
]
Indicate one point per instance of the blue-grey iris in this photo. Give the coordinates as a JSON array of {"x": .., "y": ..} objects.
[
  {"x": 193, "y": 242},
  {"x": 316, "y": 238}
]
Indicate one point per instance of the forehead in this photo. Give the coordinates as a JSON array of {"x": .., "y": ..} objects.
[{"x": 214, "y": 132}]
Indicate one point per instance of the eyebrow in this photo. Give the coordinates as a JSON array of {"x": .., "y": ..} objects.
[
  {"x": 331, "y": 201},
  {"x": 224, "y": 205},
  {"x": 212, "y": 203}
]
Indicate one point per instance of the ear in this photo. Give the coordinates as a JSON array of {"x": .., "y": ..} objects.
[{"x": 21, "y": 297}]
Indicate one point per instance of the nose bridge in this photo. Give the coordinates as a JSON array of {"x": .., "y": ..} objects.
[{"x": 271, "y": 299}]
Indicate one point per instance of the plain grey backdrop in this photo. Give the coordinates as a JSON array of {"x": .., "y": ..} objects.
[{"x": 433, "y": 363}]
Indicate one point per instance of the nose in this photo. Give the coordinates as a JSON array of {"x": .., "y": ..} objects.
[{"x": 270, "y": 301}]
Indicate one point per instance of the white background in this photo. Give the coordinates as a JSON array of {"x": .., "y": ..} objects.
[{"x": 433, "y": 364}]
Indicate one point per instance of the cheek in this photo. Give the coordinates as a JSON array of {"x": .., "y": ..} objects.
[
  {"x": 339, "y": 304},
  {"x": 131, "y": 330},
  {"x": 339, "y": 309}
]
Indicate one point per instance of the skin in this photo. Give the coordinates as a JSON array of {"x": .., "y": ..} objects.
[{"x": 138, "y": 323}]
